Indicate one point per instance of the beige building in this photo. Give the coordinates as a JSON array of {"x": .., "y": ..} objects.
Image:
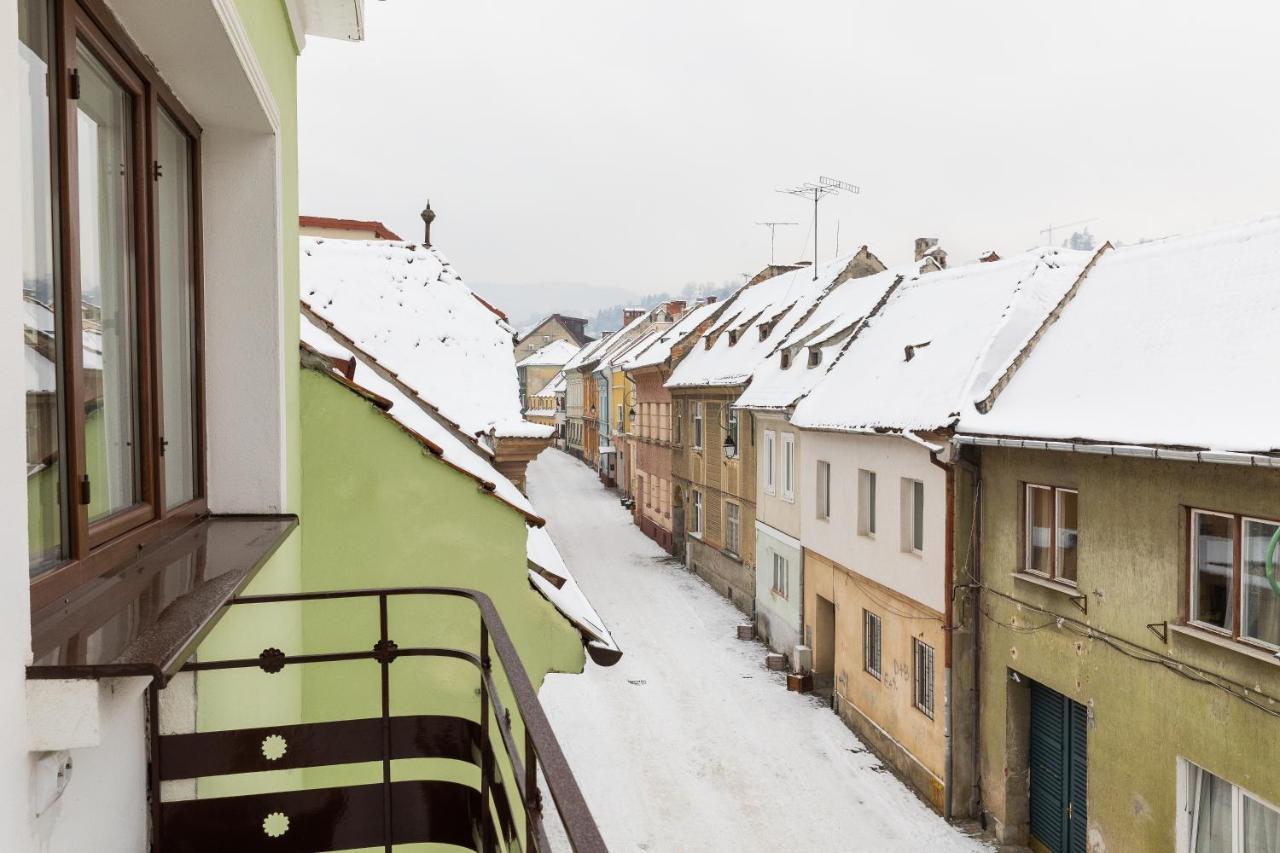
[
  {"x": 344, "y": 229},
  {"x": 556, "y": 327}
]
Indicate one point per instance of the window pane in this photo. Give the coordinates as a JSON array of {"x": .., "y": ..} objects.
[
  {"x": 1261, "y": 827},
  {"x": 871, "y": 501},
  {"x": 1211, "y": 821},
  {"x": 1261, "y": 604},
  {"x": 1039, "y": 528},
  {"x": 1214, "y": 548},
  {"x": 108, "y": 312},
  {"x": 1068, "y": 536},
  {"x": 39, "y": 291},
  {"x": 917, "y": 515},
  {"x": 177, "y": 310}
]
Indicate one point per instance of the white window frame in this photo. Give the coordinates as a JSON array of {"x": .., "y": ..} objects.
[
  {"x": 789, "y": 467},
  {"x": 866, "y": 503},
  {"x": 872, "y": 645},
  {"x": 781, "y": 576},
  {"x": 822, "y": 480},
  {"x": 1188, "y": 798},
  {"x": 923, "y": 671},
  {"x": 696, "y": 502},
  {"x": 770, "y": 462},
  {"x": 698, "y": 432},
  {"x": 732, "y": 527}
]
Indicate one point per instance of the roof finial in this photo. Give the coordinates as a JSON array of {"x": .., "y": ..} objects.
[{"x": 428, "y": 216}]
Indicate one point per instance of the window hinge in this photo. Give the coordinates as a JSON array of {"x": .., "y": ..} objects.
[
  {"x": 84, "y": 490},
  {"x": 158, "y": 170},
  {"x": 164, "y": 445},
  {"x": 75, "y": 84}
]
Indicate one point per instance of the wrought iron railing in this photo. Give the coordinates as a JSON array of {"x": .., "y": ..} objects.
[{"x": 390, "y": 812}]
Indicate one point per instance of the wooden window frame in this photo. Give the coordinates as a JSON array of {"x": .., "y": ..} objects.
[
  {"x": 1052, "y": 575},
  {"x": 699, "y": 425},
  {"x": 781, "y": 585},
  {"x": 734, "y": 546},
  {"x": 868, "y": 483},
  {"x": 769, "y": 458},
  {"x": 822, "y": 483},
  {"x": 1236, "y": 603},
  {"x": 872, "y": 620},
  {"x": 89, "y": 550}
]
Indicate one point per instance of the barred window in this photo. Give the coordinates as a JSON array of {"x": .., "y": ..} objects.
[{"x": 923, "y": 654}]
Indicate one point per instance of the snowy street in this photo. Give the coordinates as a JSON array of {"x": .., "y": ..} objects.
[{"x": 689, "y": 743}]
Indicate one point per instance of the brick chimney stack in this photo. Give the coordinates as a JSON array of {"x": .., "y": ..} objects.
[
  {"x": 428, "y": 216},
  {"x": 629, "y": 315},
  {"x": 675, "y": 308}
]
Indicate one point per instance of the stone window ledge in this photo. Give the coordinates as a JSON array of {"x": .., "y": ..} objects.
[{"x": 1244, "y": 649}]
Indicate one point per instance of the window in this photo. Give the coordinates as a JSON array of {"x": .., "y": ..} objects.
[
  {"x": 733, "y": 429},
  {"x": 867, "y": 502},
  {"x": 679, "y": 421},
  {"x": 922, "y": 653},
  {"x": 1219, "y": 568},
  {"x": 620, "y": 422},
  {"x": 871, "y": 643},
  {"x": 781, "y": 576},
  {"x": 1051, "y": 532},
  {"x": 732, "y": 531},
  {"x": 697, "y": 425},
  {"x": 823, "y": 480},
  {"x": 695, "y": 523},
  {"x": 1219, "y": 817},
  {"x": 912, "y": 516},
  {"x": 770, "y": 465},
  {"x": 112, "y": 319},
  {"x": 815, "y": 356},
  {"x": 786, "y": 359},
  {"x": 788, "y": 466}
]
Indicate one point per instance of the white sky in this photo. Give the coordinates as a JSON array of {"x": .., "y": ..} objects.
[{"x": 636, "y": 145}]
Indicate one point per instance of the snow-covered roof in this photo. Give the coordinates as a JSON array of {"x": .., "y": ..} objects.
[
  {"x": 656, "y": 350},
  {"x": 556, "y": 583},
  {"x": 939, "y": 339},
  {"x": 554, "y": 387},
  {"x": 737, "y": 348},
  {"x": 828, "y": 330},
  {"x": 416, "y": 415},
  {"x": 588, "y": 352},
  {"x": 1165, "y": 343},
  {"x": 405, "y": 306},
  {"x": 553, "y": 354},
  {"x": 620, "y": 343}
]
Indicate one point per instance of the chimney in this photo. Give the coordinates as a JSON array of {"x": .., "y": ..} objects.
[
  {"x": 675, "y": 308},
  {"x": 428, "y": 216},
  {"x": 927, "y": 247},
  {"x": 629, "y": 315}
]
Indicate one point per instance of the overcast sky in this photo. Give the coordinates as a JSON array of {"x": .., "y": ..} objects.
[{"x": 636, "y": 145}]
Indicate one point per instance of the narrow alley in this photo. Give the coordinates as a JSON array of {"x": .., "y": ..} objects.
[{"x": 689, "y": 743}]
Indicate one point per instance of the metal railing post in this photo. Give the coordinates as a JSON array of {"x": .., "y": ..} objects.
[
  {"x": 384, "y": 648},
  {"x": 486, "y": 751}
]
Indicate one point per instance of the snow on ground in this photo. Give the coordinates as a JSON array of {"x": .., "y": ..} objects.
[{"x": 689, "y": 743}]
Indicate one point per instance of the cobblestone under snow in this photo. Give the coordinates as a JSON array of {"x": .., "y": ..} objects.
[{"x": 689, "y": 743}]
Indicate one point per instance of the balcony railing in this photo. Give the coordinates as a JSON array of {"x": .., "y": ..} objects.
[{"x": 390, "y": 812}]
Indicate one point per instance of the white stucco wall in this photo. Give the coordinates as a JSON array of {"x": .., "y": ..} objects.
[
  {"x": 880, "y": 557},
  {"x": 778, "y": 617}
]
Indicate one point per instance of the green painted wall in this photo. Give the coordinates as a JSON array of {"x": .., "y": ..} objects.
[{"x": 1143, "y": 716}]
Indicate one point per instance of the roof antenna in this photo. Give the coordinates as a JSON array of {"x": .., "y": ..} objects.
[
  {"x": 823, "y": 188},
  {"x": 773, "y": 229},
  {"x": 1049, "y": 231}
]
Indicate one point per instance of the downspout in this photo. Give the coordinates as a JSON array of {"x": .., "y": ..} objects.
[
  {"x": 947, "y": 629},
  {"x": 975, "y": 586}
]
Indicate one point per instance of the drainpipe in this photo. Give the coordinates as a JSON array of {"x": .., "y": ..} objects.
[
  {"x": 948, "y": 628},
  {"x": 975, "y": 585}
]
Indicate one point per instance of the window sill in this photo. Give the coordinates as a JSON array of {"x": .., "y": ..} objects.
[
  {"x": 147, "y": 615},
  {"x": 1078, "y": 598},
  {"x": 1204, "y": 635}
]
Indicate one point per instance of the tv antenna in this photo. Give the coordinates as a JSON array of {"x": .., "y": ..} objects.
[
  {"x": 773, "y": 228},
  {"x": 823, "y": 188},
  {"x": 1049, "y": 231}
]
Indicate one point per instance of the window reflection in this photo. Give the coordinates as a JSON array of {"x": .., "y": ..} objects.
[
  {"x": 45, "y": 529},
  {"x": 1261, "y": 616},
  {"x": 108, "y": 309},
  {"x": 1214, "y": 559}
]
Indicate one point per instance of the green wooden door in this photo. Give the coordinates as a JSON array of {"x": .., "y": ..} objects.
[{"x": 1059, "y": 771}]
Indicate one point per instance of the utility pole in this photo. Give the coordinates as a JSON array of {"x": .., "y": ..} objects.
[
  {"x": 773, "y": 227},
  {"x": 823, "y": 188}
]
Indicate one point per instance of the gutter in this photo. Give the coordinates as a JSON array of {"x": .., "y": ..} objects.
[{"x": 1258, "y": 460}]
